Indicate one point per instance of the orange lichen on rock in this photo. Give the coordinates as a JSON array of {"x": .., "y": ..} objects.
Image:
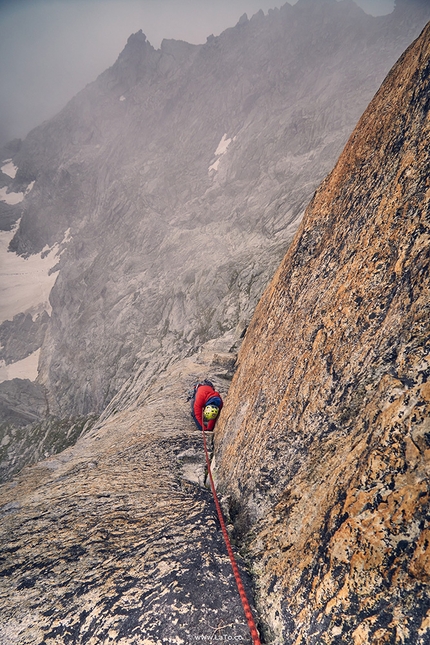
[{"x": 323, "y": 447}]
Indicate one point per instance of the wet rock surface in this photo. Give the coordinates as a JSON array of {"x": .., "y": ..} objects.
[
  {"x": 324, "y": 444},
  {"x": 116, "y": 539}
]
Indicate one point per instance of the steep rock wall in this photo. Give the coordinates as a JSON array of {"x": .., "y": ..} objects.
[{"x": 323, "y": 446}]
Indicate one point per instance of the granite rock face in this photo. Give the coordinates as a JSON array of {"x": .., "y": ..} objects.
[
  {"x": 116, "y": 539},
  {"x": 323, "y": 446},
  {"x": 173, "y": 185}
]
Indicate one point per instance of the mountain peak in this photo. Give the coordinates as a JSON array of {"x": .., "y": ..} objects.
[
  {"x": 136, "y": 44},
  {"x": 243, "y": 20},
  {"x": 139, "y": 36},
  {"x": 136, "y": 59}
]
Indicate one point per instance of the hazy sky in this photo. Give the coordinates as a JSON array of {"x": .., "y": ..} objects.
[{"x": 50, "y": 49}]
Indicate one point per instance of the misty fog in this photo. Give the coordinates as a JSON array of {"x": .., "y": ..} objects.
[{"x": 50, "y": 49}]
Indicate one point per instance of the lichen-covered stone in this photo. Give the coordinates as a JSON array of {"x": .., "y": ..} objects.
[
  {"x": 116, "y": 540},
  {"x": 324, "y": 442}
]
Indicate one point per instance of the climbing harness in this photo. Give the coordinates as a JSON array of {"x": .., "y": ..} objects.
[{"x": 246, "y": 607}]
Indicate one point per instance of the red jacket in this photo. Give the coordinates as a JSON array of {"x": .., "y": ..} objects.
[{"x": 205, "y": 395}]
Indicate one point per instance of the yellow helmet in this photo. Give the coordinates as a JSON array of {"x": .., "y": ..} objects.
[{"x": 210, "y": 412}]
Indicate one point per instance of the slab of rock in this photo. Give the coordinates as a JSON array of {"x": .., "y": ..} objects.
[
  {"x": 324, "y": 442},
  {"x": 116, "y": 540}
]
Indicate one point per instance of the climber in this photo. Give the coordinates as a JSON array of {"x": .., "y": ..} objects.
[{"x": 206, "y": 403}]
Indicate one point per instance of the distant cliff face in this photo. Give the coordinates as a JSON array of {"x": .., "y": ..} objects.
[
  {"x": 324, "y": 444},
  {"x": 174, "y": 183}
]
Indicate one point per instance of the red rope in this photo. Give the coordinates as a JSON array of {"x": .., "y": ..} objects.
[{"x": 246, "y": 607}]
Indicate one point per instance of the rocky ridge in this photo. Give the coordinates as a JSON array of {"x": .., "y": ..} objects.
[
  {"x": 116, "y": 539},
  {"x": 324, "y": 443}
]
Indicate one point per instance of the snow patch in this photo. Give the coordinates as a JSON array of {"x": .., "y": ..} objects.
[
  {"x": 223, "y": 145},
  {"x": 29, "y": 187},
  {"x": 25, "y": 283},
  {"x": 214, "y": 166},
  {"x": 10, "y": 198},
  {"x": 67, "y": 237},
  {"x": 25, "y": 369},
  {"x": 221, "y": 149},
  {"x": 9, "y": 168}
]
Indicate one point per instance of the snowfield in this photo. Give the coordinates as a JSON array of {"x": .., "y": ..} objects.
[
  {"x": 9, "y": 168},
  {"x": 223, "y": 145},
  {"x": 221, "y": 149},
  {"x": 25, "y": 369},
  {"x": 10, "y": 198},
  {"x": 25, "y": 283}
]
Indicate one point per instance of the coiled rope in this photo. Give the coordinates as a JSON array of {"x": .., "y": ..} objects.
[{"x": 246, "y": 607}]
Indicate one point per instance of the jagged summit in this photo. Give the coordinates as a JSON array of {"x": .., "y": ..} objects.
[
  {"x": 243, "y": 20},
  {"x": 136, "y": 59},
  {"x": 137, "y": 39}
]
